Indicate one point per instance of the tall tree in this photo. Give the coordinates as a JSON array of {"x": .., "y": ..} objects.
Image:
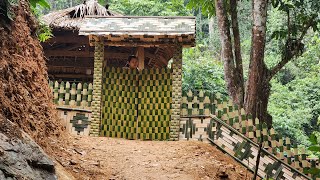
[{"x": 253, "y": 94}]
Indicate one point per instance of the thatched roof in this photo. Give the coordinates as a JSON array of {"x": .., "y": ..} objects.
[{"x": 71, "y": 18}]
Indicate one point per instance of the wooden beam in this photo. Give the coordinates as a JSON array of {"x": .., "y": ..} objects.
[
  {"x": 163, "y": 60},
  {"x": 141, "y": 58},
  {"x": 73, "y": 46},
  {"x": 158, "y": 57},
  {"x": 63, "y": 53},
  {"x": 68, "y": 39},
  {"x": 147, "y": 44},
  {"x": 75, "y": 76}
]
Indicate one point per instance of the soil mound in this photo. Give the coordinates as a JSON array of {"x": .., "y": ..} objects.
[{"x": 24, "y": 91}]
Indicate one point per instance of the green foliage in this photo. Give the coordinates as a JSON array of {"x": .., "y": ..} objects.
[
  {"x": 295, "y": 19},
  {"x": 294, "y": 107},
  {"x": 207, "y": 6},
  {"x": 315, "y": 146},
  {"x": 299, "y": 13},
  {"x": 295, "y": 99},
  {"x": 43, "y": 32},
  {"x": 315, "y": 149},
  {"x": 42, "y": 3},
  {"x": 201, "y": 71},
  {"x": 149, "y": 7}
]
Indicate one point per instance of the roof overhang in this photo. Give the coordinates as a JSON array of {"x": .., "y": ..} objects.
[{"x": 141, "y": 30}]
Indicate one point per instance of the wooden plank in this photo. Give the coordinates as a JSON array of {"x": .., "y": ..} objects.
[
  {"x": 141, "y": 58},
  {"x": 68, "y": 38},
  {"x": 62, "y": 53},
  {"x": 147, "y": 44}
]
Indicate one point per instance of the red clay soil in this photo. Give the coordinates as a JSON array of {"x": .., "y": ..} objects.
[
  {"x": 107, "y": 158},
  {"x": 24, "y": 91}
]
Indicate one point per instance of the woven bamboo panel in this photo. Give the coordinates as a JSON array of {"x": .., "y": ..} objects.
[
  {"x": 136, "y": 105},
  {"x": 154, "y": 104},
  {"x": 240, "y": 147},
  {"x": 119, "y": 103},
  {"x": 281, "y": 158},
  {"x": 72, "y": 95},
  {"x": 195, "y": 128},
  {"x": 197, "y": 103},
  {"x": 75, "y": 122}
]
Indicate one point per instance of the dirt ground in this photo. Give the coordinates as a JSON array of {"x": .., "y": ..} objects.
[{"x": 107, "y": 158}]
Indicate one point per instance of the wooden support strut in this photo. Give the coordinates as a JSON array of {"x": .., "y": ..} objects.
[{"x": 141, "y": 58}]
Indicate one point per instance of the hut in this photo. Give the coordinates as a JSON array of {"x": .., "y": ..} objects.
[
  {"x": 69, "y": 56},
  {"x": 93, "y": 44}
]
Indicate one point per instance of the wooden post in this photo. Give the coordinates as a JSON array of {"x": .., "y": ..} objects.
[
  {"x": 141, "y": 58},
  {"x": 56, "y": 92},
  {"x": 176, "y": 93},
  {"x": 97, "y": 87}
]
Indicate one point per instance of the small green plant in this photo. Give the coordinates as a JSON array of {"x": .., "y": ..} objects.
[
  {"x": 7, "y": 14},
  {"x": 315, "y": 149},
  {"x": 42, "y": 3},
  {"x": 43, "y": 32}
]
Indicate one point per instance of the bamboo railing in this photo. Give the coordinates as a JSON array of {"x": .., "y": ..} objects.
[
  {"x": 228, "y": 122},
  {"x": 71, "y": 95}
]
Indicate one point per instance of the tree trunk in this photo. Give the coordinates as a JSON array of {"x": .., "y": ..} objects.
[
  {"x": 230, "y": 73},
  {"x": 258, "y": 86}
]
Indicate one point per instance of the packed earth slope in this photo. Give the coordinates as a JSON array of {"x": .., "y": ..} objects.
[
  {"x": 108, "y": 158},
  {"x": 24, "y": 91},
  {"x": 26, "y": 113}
]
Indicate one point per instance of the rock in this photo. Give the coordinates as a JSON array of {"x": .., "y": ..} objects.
[
  {"x": 155, "y": 165},
  {"x": 73, "y": 162},
  {"x": 22, "y": 158},
  {"x": 96, "y": 163},
  {"x": 223, "y": 175}
]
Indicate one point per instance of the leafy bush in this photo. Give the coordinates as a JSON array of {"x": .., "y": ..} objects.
[{"x": 201, "y": 71}]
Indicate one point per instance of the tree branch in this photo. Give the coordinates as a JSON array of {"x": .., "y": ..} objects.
[
  {"x": 237, "y": 49},
  {"x": 308, "y": 25},
  {"x": 279, "y": 66},
  {"x": 286, "y": 58},
  {"x": 236, "y": 35},
  {"x": 225, "y": 37}
]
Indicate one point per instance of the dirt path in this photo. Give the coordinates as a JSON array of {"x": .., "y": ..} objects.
[{"x": 106, "y": 158}]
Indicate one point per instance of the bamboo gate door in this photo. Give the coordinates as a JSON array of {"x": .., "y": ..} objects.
[{"x": 136, "y": 104}]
